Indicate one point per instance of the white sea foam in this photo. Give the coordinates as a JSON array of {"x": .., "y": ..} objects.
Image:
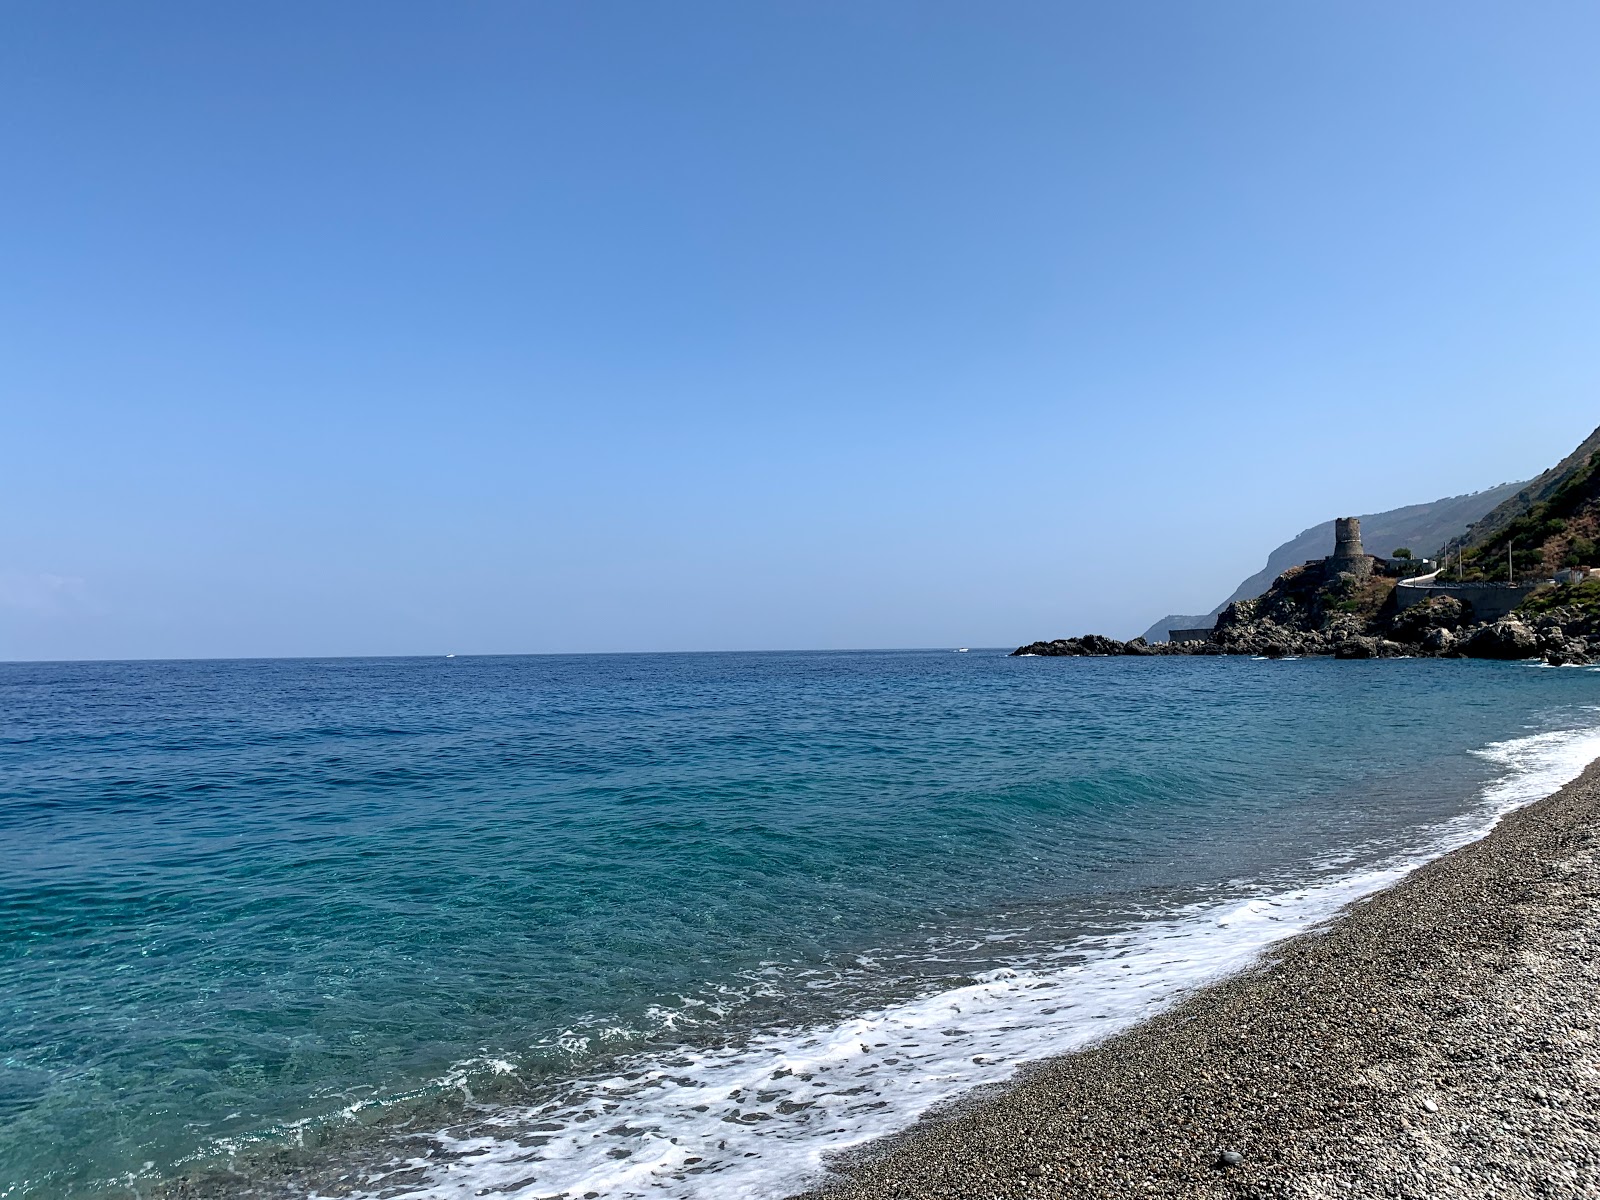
[{"x": 758, "y": 1119}]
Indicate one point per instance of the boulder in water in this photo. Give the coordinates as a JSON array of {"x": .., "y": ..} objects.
[{"x": 1507, "y": 638}]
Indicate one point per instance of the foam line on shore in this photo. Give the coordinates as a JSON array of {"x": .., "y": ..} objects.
[{"x": 759, "y": 1119}]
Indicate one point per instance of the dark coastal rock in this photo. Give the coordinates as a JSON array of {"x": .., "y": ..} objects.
[
  {"x": 1058, "y": 648},
  {"x": 1096, "y": 644},
  {"x": 1316, "y": 610},
  {"x": 1561, "y": 658},
  {"x": 1244, "y": 629},
  {"x": 1570, "y": 619},
  {"x": 1357, "y": 647},
  {"x": 1507, "y": 638},
  {"x": 1569, "y": 652},
  {"x": 1414, "y": 624},
  {"x": 1438, "y": 641},
  {"x": 1089, "y": 645}
]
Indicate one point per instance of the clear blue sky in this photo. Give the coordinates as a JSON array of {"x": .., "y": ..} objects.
[{"x": 501, "y": 327}]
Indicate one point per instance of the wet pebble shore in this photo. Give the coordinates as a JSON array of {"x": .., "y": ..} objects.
[{"x": 1438, "y": 1040}]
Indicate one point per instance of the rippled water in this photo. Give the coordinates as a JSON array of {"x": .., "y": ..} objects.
[{"x": 666, "y": 924}]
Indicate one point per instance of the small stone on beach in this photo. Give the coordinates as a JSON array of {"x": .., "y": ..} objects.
[{"x": 1229, "y": 1158}]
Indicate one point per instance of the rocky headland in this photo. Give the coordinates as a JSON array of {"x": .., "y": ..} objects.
[
  {"x": 1316, "y": 609},
  {"x": 1349, "y": 605}
]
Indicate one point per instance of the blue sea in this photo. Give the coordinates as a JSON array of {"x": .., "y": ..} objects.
[{"x": 665, "y": 925}]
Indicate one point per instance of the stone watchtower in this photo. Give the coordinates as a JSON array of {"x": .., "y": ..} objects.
[{"x": 1347, "y": 552}]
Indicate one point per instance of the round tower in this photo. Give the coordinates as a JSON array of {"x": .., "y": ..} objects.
[
  {"x": 1348, "y": 554},
  {"x": 1347, "y": 538}
]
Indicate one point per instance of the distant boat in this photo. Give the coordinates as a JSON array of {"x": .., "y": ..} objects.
[
  {"x": 449, "y": 655},
  {"x": 963, "y": 650}
]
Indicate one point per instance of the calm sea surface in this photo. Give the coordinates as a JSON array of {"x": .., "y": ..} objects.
[{"x": 666, "y": 925}]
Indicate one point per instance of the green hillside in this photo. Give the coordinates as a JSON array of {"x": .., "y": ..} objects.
[{"x": 1551, "y": 523}]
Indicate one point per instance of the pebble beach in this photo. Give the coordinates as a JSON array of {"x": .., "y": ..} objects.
[{"x": 1436, "y": 1040}]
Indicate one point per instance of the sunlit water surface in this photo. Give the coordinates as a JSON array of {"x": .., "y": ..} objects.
[{"x": 666, "y": 925}]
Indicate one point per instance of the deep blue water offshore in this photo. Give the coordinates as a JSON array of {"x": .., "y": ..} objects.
[{"x": 667, "y": 925}]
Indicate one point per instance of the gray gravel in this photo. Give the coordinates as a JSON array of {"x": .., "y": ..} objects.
[{"x": 1438, "y": 1040}]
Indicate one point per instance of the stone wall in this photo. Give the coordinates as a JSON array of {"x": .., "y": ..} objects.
[{"x": 1486, "y": 601}]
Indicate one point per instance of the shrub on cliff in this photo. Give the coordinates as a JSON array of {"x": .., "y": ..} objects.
[
  {"x": 1582, "y": 597},
  {"x": 1581, "y": 552}
]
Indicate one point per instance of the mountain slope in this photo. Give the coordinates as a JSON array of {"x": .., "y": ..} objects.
[
  {"x": 1420, "y": 528},
  {"x": 1552, "y": 521}
]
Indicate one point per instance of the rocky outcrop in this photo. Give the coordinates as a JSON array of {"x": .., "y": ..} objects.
[
  {"x": 1437, "y": 614},
  {"x": 1314, "y": 610},
  {"x": 1092, "y": 645},
  {"x": 1439, "y": 641},
  {"x": 1568, "y": 656},
  {"x": 1572, "y": 620},
  {"x": 1567, "y": 636},
  {"x": 1357, "y": 647},
  {"x": 1507, "y": 638}
]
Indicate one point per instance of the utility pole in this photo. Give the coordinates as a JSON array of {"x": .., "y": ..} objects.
[{"x": 1511, "y": 576}]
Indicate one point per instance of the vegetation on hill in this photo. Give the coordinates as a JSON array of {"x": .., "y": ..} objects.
[
  {"x": 1583, "y": 597},
  {"x": 1557, "y": 528},
  {"x": 1308, "y": 598}
]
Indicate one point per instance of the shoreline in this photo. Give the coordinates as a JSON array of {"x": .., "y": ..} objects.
[
  {"x": 483, "y": 1149},
  {"x": 495, "y": 1142},
  {"x": 1437, "y": 1038}
]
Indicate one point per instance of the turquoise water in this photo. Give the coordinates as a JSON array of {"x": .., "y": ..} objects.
[{"x": 633, "y": 924}]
